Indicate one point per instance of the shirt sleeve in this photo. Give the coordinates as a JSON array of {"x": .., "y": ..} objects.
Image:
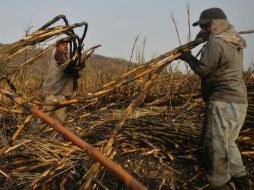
[{"x": 208, "y": 61}]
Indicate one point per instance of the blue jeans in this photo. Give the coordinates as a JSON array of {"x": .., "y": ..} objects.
[{"x": 223, "y": 122}]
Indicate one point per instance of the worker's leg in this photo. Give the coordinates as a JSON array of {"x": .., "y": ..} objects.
[
  {"x": 216, "y": 143},
  {"x": 236, "y": 165},
  {"x": 237, "y": 169},
  {"x": 60, "y": 114}
]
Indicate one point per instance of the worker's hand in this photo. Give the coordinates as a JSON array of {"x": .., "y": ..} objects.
[
  {"x": 77, "y": 68},
  {"x": 71, "y": 69},
  {"x": 202, "y": 35},
  {"x": 186, "y": 56}
]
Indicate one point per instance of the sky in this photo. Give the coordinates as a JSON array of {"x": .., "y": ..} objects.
[{"x": 116, "y": 23}]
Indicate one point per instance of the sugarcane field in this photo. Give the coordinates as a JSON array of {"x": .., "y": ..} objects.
[{"x": 79, "y": 120}]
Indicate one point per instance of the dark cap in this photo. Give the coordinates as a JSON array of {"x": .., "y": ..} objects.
[{"x": 210, "y": 14}]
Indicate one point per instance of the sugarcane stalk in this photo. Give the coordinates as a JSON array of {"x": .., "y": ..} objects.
[
  {"x": 153, "y": 61},
  {"x": 31, "y": 60},
  {"x": 7, "y": 110},
  {"x": 11, "y": 50},
  {"x": 247, "y": 32},
  {"x": 14, "y": 137}
]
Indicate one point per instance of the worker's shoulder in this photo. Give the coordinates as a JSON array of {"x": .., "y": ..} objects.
[
  {"x": 216, "y": 43},
  {"x": 216, "y": 40}
]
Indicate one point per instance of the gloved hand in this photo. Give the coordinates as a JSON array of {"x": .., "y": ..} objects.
[
  {"x": 202, "y": 35},
  {"x": 186, "y": 56}
]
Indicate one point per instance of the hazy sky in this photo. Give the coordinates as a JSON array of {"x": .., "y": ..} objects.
[{"x": 116, "y": 23}]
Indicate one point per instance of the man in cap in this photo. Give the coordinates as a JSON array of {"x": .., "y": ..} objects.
[{"x": 224, "y": 92}]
